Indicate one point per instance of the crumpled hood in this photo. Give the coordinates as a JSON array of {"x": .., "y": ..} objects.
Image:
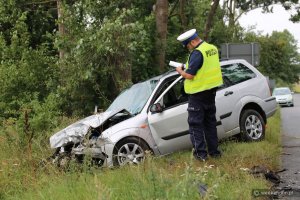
[{"x": 75, "y": 132}]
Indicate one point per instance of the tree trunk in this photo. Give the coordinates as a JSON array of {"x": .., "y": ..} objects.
[
  {"x": 183, "y": 17},
  {"x": 210, "y": 17},
  {"x": 231, "y": 13},
  {"x": 161, "y": 16},
  {"x": 61, "y": 26}
]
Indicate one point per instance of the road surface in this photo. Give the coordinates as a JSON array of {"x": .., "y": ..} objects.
[{"x": 290, "y": 158}]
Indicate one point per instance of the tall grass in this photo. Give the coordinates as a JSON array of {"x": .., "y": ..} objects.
[
  {"x": 176, "y": 176},
  {"x": 296, "y": 88}
]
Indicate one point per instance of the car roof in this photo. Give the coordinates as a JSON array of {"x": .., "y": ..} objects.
[
  {"x": 173, "y": 72},
  {"x": 281, "y": 88}
]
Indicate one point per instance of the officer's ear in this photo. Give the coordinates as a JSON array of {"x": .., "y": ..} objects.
[{"x": 195, "y": 42}]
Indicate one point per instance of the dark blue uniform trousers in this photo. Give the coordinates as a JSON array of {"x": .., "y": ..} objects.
[{"x": 202, "y": 125}]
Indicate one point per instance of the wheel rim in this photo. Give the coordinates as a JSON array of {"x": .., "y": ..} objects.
[
  {"x": 254, "y": 127},
  {"x": 130, "y": 153}
]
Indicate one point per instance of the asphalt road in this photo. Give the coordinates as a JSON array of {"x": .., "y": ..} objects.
[{"x": 290, "y": 158}]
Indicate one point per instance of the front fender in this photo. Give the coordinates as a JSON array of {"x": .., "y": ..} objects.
[
  {"x": 143, "y": 133},
  {"x": 114, "y": 138}
]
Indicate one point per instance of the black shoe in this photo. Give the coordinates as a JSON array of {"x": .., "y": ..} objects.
[{"x": 202, "y": 159}]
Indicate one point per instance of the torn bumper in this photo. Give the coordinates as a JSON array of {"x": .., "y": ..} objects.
[
  {"x": 72, "y": 134},
  {"x": 93, "y": 152}
]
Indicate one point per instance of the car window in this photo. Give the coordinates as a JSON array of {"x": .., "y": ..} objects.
[
  {"x": 281, "y": 91},
  {"x": 176, "y": 95},
  {"x": 236, "y": 73},
  {"x": 226, "y": 83}
]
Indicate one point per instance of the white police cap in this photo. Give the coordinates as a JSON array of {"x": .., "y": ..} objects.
[{"x": 186, "y": 37}]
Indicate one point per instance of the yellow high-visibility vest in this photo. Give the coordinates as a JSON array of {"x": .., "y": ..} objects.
[{"x": 210, "y": 75}]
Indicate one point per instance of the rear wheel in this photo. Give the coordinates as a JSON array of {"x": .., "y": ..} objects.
[
  {"x": 252, "y": 126},
  {"x": 129, "y": 151}
]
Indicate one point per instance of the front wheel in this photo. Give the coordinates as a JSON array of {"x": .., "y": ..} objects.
[
  {"x": 129, "y": 151},
  {"x": 252, "y": 126}
]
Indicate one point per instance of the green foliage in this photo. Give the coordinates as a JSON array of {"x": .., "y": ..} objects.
[
  {"x": 104, "y": 54},
  {"x": 25, "y": 72},
  {"x": 28, "y": 76},
  {"x": 279, "y": 57},
  {"x": 273, "y": 129},
  {"x": 40, "y": 19},
  {"x": 196, "y": 12},
  {"x": 108, "y": 46},
  {"x": 267, "y": 6},
  {"x": 296, "y": 88}
]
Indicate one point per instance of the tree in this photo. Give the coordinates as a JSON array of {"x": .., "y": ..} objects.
[
  {"x": 247, "y": 5},
  {"x": 232, "y": 14},
  {"x": 61, "y": 26},
  {"x": 234, "y": 9},
  {"x": 209, "y": 20},
  {"x": 161, "y": 16},
  {"x": 182, "y": 14},
  {"x": 109, "y": 45},
  {"x": 28, "y": 70},
  {"x": 279, "y": 57}
]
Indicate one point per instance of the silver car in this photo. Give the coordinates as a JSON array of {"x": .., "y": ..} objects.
[
  {"x": 284, "y": 96},
  {"x": 152, "y": 115}
]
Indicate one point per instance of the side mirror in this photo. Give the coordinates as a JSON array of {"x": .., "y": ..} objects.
[{"x": 156, "y": 108}]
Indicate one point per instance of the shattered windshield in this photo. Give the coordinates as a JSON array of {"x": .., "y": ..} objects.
[{"x": 134, "y": 98}]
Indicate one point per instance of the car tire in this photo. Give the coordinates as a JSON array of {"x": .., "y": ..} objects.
[
  {"x": 130, "y": 150},
  {"x": 252, "y": 126}
]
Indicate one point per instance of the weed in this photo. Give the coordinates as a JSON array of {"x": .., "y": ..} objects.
[{"x": 176, "y": 176}]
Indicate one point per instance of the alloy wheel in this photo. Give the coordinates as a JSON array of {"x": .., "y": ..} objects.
[
  {"x": 130, "y": 153},
  {"x": 254, "y": 127}
]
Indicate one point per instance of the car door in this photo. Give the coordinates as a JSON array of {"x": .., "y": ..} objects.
[
  {"x": 228, "y": 99},
  {"x": 169, "y": 127}
]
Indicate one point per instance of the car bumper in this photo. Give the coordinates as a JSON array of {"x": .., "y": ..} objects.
[
  {"x": 108, "y": 150},
  {"x": 285, "y": 103},
  {"x": 270, "y": 106}
]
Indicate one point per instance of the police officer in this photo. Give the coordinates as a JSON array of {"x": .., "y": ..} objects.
[{"x": 202, "y": 77}]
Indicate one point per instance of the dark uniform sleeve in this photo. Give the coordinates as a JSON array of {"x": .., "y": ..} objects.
[{"x": 195, "y": 62}]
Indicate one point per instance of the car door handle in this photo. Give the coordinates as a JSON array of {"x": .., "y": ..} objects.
[{"x": 227, "y": 93}]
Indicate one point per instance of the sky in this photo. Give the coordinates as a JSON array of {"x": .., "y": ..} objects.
[{"x": 268, "y": 22}]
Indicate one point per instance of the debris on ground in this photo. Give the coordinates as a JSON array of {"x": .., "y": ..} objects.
[
  {"x": 262, "y": 171},
  {"x": 202, "y": 189}
]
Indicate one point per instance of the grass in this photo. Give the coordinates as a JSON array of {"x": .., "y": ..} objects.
[
  {"x": 175, "y": 176},
  {"x": 296, "y": 88}
]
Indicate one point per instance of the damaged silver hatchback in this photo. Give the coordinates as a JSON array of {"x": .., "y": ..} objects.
[{"x": 152, "y": 115}]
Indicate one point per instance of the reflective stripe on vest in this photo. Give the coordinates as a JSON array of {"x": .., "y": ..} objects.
[{"x": 210, "y": 75}]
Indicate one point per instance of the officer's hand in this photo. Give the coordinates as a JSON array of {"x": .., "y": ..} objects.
[{"x": 179, "y": 69}]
